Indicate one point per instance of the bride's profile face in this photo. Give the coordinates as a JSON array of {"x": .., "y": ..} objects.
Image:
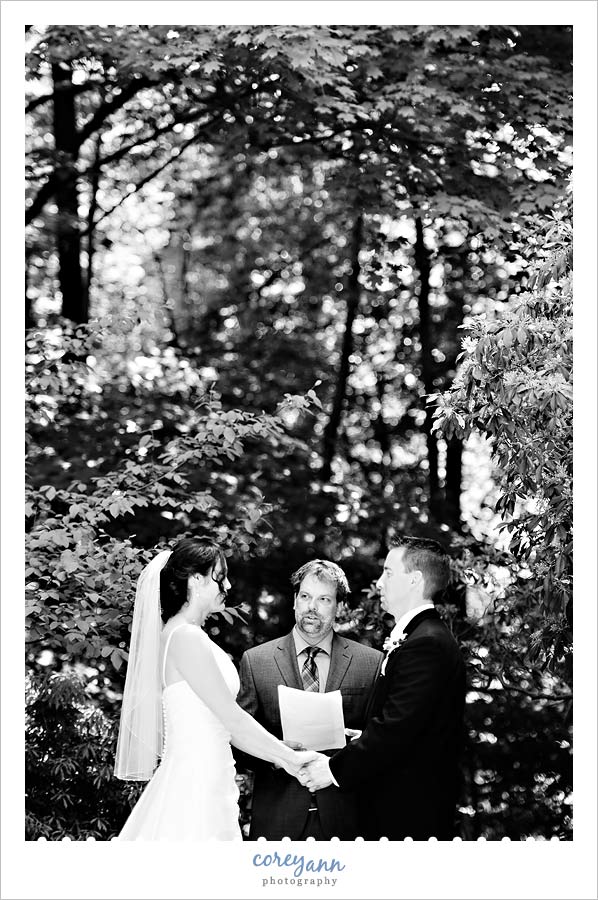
[{"x": 210, "y": 590}]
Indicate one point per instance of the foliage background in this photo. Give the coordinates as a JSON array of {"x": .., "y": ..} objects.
[{"x": 300, "y": 288}]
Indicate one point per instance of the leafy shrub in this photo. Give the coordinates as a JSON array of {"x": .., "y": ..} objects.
[
  {"x": 69, "y": 762},
  {"x": 515, "y": 386}
]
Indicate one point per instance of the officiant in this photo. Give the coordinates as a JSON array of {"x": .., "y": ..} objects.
[{"x": 311, "y": 658}]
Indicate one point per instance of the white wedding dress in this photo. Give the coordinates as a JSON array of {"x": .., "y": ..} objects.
[{"x": 192, "y": 795}]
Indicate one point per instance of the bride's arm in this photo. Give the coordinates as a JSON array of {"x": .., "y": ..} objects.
[{"x": 194, "y": 660}]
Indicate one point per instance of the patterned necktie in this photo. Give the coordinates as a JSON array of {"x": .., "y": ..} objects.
[{"x": 309, "y": 672}]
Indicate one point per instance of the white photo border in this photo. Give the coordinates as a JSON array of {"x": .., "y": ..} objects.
[{"x": 481, "y": 869}]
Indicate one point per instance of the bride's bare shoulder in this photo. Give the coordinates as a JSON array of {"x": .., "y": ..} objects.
[
  {"x": 189, "y": 635},
  {"x": 191, "y": 647}
]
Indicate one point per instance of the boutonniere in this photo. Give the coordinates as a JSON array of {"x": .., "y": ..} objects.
[
  {"x": 391, "y": 644},
  {"x": 388, "y": 646}
]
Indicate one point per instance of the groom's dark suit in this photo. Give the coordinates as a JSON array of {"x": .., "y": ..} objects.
[
  {"x": 405, "y": 764},
  {"x": 280, "y": 804}
]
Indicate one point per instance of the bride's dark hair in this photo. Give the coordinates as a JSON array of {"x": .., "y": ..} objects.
[{"x": 191, "y": 556}]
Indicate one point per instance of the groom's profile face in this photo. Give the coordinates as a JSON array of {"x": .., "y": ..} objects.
[
  {"x": 395, "y": 585},
  {"x": 315, "y": 608}
]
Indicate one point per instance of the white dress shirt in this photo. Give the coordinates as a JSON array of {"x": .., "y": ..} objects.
[{"x": 399, "y": 629}]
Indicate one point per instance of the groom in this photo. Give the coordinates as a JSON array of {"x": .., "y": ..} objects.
[{"x": 405, "y": 763}]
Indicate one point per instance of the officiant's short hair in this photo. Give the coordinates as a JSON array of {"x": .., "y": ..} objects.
[
  {"x": 428, "y": 557},
  {"x": 326, "y": 571}
]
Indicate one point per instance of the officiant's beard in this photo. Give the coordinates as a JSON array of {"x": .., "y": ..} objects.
[{"x": 315, "y": 625}]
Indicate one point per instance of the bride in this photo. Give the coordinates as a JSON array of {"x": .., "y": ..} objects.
[{"x": 179, "y": 703}]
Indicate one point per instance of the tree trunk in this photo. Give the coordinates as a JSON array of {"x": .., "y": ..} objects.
[
  {"x": 168, "y": 306},
  {"x": 422, "y": 261},
  {"x": 452, "y": 342},
  {"x": 352, "y": 293},
  {"x": 184, "y": 278},
  {"x": 452, "y": 488},
  {"x": 379, "y": 426},
  {"x": 29, "y": 321},
  {"x": 68, "y": 237},
  {"x": 93, "y": 205}
]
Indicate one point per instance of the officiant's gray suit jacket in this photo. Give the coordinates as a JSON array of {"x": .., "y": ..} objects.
[{"x": 280, "y": 804}]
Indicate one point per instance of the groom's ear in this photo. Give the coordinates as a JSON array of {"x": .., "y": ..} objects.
[{"x": 417, "y": 577}]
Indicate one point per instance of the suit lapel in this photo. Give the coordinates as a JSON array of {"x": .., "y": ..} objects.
[
  {"x": 423, "y": 616},
  {"x": 285, "y": 657},
  {"x": 339, "y": 661}
]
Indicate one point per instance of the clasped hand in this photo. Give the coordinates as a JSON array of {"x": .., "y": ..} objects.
[
  {"x": 315, "y": 773},
  {"x": 309, "y": 767}
]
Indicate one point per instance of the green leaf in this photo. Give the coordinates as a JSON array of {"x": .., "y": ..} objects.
[
  {"x": 211, "y": 66},
  {"x": 68, "y": 561}
]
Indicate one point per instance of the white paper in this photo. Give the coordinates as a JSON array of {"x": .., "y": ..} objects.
[{"x": 311, "y": 718}]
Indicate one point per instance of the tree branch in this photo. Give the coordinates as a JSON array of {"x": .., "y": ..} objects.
[
  {"x": 105, "y": 110},
  {"x": 66, "y": 88},
  {"x": 41, "y": 198},
  {"x": 185, "y": 119},
  {"x": 150, "y": 176},
  {"x": 533, "y": 695}
]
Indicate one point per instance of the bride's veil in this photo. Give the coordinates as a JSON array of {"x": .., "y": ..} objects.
[{"x": 140, "y": 733}]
